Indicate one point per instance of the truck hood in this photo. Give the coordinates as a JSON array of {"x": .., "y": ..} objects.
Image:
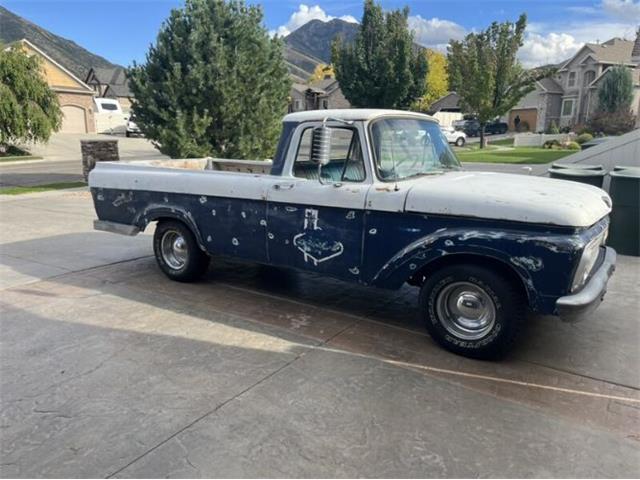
[{"x": 499, "y": 196}]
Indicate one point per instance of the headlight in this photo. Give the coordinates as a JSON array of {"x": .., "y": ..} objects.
[{"x": 587, "y": 261}]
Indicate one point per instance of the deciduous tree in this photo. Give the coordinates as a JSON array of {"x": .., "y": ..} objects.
[
  {"x": 484, "y": 71},
  {"x": 29, "y": 109},
  {"x": 215, "y": 83},
  {"x": 436, "y": 83},
  {"x": 321, "y": 72},
  {"x": 382, "y": 68}
]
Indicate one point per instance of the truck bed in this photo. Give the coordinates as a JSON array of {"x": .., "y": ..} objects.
[{"x": 207, "y": 163}]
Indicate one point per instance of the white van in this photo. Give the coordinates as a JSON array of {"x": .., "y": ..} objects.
[{"x": 109, "y": 116}]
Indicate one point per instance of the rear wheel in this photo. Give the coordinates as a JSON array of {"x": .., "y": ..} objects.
[
  {"x": 460, "y": 142},
  {"x": 472, "y": 311},
  {"x": 177, "y": 252}
]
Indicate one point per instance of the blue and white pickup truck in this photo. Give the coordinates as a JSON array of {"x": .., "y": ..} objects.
[{"x": 377, "y": 197}]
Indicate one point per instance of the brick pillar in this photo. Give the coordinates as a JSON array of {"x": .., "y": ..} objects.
[{"x": 97, "y": 151}]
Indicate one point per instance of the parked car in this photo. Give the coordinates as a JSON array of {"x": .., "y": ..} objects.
[
  {"x": 472, "y": 127},
  {"x": 376, "y": 197},
  {"x": 132, "y": 127},
  {"x": 456, "y": 137},
  {"x": 109, "y": 116}
]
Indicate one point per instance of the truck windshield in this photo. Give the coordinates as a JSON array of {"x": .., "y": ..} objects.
[{"x": 410, "y": 147}]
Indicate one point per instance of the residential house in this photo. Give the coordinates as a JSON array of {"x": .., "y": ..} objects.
[
  {"x": 320, "y": 95},
  {"x": 446, "y": 109},
  {"x": 75, "y": 96},
  {"x": 111, "y": 83},
  {"x": 570, "y": 97}
]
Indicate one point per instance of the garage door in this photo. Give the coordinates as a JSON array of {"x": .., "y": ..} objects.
[
  {"x": 528, "y": 119},
  {"x": 73, "y": 120}
]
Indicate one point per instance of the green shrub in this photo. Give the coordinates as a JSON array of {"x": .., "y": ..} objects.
[
  {"x": 572, "y": 146},
  {"x": 553, "y": 128},
  {"x": 551, "y": 144},
  {"x": 583, "y": 138},
  {"x": 616, "y": 123}
]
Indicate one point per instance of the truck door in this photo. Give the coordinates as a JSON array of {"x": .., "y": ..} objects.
[{"x": 317, "y": 223}]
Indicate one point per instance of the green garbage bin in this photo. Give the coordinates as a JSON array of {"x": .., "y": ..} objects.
[
  {"x": 590, "y": 177},
  {"x": 624, "y": 230},
  {"x": 578, "y": 166}
]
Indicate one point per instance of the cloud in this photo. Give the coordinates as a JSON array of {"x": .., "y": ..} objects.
[
  {"x": 434, "y": 32},
  {"x": 305, "y": 14},
  {"x": 626, "y": 10},
  {"x": 545, "y": 49}
]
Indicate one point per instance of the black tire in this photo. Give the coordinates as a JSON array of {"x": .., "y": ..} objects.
[
  {"x": 127, "y": 134},
  {"x": 493, "y": 293},
  {"x": 460, "y": 142},
  {"x": 187, "y": 263}
]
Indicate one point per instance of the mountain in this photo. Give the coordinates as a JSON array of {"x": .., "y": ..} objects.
[
  {"x": 66, "y": 52},
  {"x": 310, "y": 45}
]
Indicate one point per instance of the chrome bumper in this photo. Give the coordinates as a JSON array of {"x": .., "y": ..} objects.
[
  {"x": 572, "y": 308},
  {"x": 113, "y": 227}
]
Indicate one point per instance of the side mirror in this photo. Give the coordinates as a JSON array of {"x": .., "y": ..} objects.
[{"x": 320, "y": 145}]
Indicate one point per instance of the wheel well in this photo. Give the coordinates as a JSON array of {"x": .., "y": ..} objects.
[
  {"x": 465, "y": 259},
  {"x": 192, "y": 228}
]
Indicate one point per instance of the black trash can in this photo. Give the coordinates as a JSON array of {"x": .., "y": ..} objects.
[
  {"x": 578, "y": 166},
  {"x": 624, "y": 230},
  {"x": 590, "y": 177}
]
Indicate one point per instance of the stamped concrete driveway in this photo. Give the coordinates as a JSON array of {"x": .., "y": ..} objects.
[{"x": 107, "y": 369}]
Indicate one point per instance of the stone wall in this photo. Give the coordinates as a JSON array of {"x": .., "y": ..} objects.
[{"x": 97, "y": 151}]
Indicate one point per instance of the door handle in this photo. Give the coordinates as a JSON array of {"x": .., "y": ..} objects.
[{"x": 283, "y": 186}]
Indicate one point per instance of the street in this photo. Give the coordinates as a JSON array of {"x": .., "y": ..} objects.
[{"x": 108, "y": 369}]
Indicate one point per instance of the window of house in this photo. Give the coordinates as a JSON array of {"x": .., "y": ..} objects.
[
  {"x": 325, "y": 104},
  {"x": 297, "y": 105},
  {"x": 572, "y": 79},
  {"x": 589, "y": 77},
  {"x": 567, "y": 107},
  {"x": 346, "y": 162}
]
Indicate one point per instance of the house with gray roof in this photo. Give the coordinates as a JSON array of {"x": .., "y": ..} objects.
[
  {"x": 111, "y": 83},
  {"x": 320, "y": 95},
  {"x": 570, "y": 96}
]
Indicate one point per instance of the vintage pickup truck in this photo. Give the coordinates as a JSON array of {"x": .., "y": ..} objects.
[{"x": 378, "y": 198}]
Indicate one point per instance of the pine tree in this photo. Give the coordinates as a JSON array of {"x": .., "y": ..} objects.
[
  {"x": 616, "y": 90},
  {"x": 382, "y": 68},
  {"x": 29, "y": 109},
  {"x": 213, "y": 84}
]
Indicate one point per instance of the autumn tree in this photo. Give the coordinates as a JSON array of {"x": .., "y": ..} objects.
[
  {"x": 321, "y": 72},
  {"x": 29, "y": 109},
  {"x": 382, "y": 68},
  {"x": 485, "y": 72},
  {"x": 215, "y": 83},
  {"x": 436, "y": 84}
]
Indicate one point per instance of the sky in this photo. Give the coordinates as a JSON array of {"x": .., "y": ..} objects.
[{"x": 122, "y": 30}]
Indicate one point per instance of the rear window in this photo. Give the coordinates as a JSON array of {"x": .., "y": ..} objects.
[{"x": 108, "y": 106}]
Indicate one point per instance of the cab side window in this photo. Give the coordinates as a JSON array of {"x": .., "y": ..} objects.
[{"x": 346, "y": 160}]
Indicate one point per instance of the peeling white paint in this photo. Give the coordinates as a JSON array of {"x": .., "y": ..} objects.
[
  {"x": 448, "y": 243},
  {"x": 263, "y": 223},
  {"x": 373, "y": 231},
  {"x": 203, "y": 199},
  {"x": 351, "y": 215},
  {"x": 235, "y": 241},
  {"x": 354, "y": 270},
  {"x": 209, "y": 238},
  {"x": 243, "y": 214},
  {"x": 213, "y": 212},
  {"x": 530, "y": 263},
  {"x": 271, "y": 236},
  {"x": 412, "y": 266},
  {"x": 291, "y": 209}
]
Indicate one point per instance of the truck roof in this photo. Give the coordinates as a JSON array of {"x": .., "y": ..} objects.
[{"x": 350, "y": 114}]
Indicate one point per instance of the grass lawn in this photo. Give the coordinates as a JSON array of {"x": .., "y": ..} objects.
[
  {"x": 40, "y": 188},
  {"x": 517, "y": 155}
]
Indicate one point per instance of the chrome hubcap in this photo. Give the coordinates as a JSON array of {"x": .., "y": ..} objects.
[
  {"x": 466, "y": 310},
  {"x": 174, "y": 249}
]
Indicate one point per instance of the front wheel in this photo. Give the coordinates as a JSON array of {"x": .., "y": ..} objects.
[
  {"x": 177, "y": 252},
  {"x": 472, "y": 311},
  {"x": 460, "y": 142}
]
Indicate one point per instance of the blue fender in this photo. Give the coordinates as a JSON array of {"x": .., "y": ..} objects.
[
  {"x": 155, "y": 211},
  {"x": 490, "y": 244}
]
